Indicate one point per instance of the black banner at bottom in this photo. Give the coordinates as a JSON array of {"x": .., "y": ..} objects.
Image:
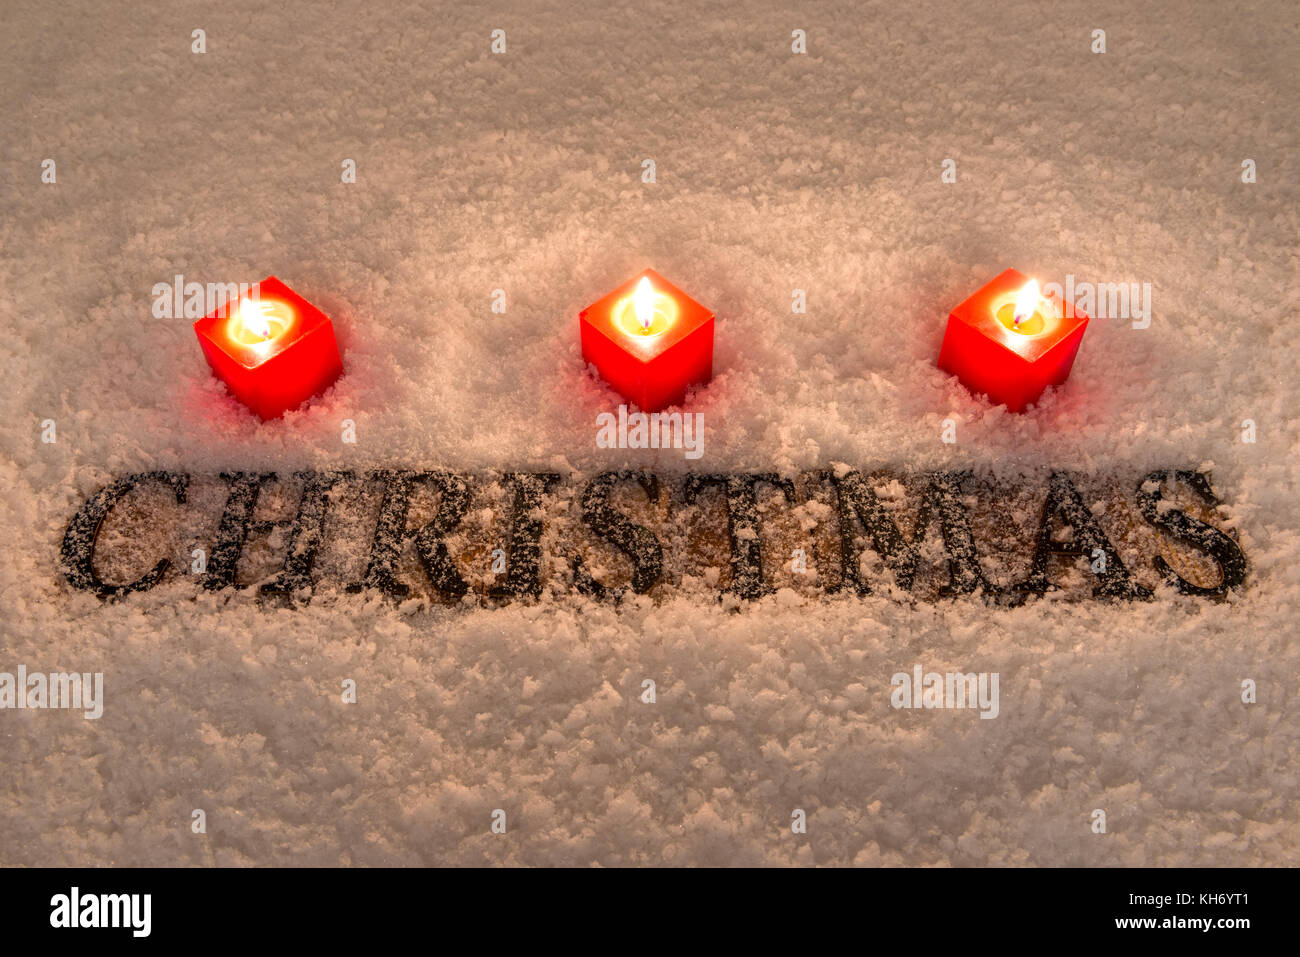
[{"x": 636, "y": 909}]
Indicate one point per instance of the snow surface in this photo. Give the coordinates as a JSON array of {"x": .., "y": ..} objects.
[{"x": 775, "y": 171}]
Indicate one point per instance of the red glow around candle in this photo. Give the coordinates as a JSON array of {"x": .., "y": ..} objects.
[
  {"x": 1011, "y": 367},
  {"x": 273, "y": 354},
  {"x": 651, "y": 343}
]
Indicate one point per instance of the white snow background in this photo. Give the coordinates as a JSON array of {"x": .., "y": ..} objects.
[{"x": 522, "y": 171}]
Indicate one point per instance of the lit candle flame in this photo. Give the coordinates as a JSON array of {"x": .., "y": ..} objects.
[
  {"x": 643, "y": 301},
  {"x": 1027, "y": 301},
  {"x": 253, "y": 316}
]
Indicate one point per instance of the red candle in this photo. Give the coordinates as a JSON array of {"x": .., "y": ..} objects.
[
  {"x": 273, "y": 351},
  {"x": 1010, "y": 343},
  {"x": 649, "y": 340}
]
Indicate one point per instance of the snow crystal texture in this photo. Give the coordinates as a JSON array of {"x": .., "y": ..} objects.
[{"x": 775, "y": 171}]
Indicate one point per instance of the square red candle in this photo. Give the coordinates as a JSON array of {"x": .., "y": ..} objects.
[
  {"x": 1008, "y": 342},
  {"x": 273, "y": 351},
  {"x": 649, "y": 340}
]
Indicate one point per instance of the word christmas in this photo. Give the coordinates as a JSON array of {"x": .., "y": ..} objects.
[{"x": 448, "y": 537}]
